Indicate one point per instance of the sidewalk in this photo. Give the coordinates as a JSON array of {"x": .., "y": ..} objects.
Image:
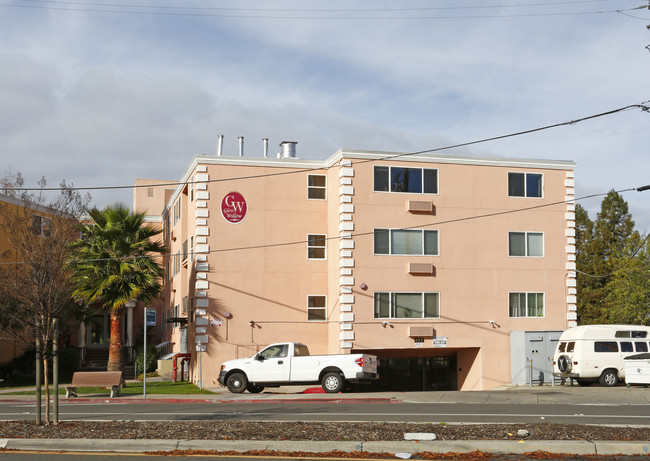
[
  {"x": 509, "y": 394},
  {"x": 595, "y": 395}
]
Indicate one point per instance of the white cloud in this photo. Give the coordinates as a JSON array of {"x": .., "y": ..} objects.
[{"x": 104, "y": 98}]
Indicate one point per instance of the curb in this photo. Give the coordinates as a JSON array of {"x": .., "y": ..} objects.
[
  {"x": 458, "y": 446},
  {"x": 172, "y": 400}
]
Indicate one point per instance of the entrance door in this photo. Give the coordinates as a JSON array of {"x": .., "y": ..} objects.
[
  {"x": 97, "y": 330},
  {"x": 540, "y": 347},
  {"x": 183, "y": 340}
]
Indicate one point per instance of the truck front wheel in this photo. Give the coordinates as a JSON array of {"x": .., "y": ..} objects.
[
  {"x": 237, "y": 383},
  {"x": 332, "y": 382}
]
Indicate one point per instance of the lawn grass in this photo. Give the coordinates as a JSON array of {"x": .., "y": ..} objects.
[{"x": 132, "y": 388}]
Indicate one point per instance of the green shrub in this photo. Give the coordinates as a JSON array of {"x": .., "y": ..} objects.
[
  {"x": 152, "y": 361},
  {"x": 152, "y": 374}
]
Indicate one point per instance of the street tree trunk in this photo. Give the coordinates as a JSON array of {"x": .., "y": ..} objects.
[
  {"x": 46, "y": 380},
  {"x": 115, "y": 349}
]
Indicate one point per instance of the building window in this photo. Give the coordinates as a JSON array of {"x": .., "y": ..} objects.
[
  {"x": 316, "y": 246},
  {"x": 526, "y": 305},
  {"x": 525, "y": 184},
  {"x": 529, "y": 244},
  {"x": 191, "y": 189},
  {"x": 316, "y": 308},
  {"x": 406, "y": 242},
  {"x": 150, "y": 192},
  {"x": 177, "y": 262},
  {"x": 177, "y": 211},
  {"x": 316, "y": 187},
  {"x": 175, "y": 316},
  {"x": 407, "y": 305},
  {"x": 41, "y": 226},
  {"x": 184, "y": 304},
  {"x": 185, "y": 250},
  {"x": 192, "y": 248},
  {"x": 191, "y": 316},
  {"x": 402, "y": 179}
]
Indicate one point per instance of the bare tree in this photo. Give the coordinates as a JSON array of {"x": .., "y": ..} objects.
[{"x": 34, "y": 279}]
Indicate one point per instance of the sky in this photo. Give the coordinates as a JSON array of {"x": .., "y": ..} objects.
[{"x": 99, "y": 93}]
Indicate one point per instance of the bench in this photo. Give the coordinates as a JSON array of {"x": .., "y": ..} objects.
[{"x": 107, "y": 379}]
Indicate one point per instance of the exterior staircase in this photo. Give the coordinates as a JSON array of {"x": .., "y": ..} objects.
[{"x": 97, "y": 360}]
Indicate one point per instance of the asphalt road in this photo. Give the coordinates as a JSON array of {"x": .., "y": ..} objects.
[{"x": 600, "y": 413}]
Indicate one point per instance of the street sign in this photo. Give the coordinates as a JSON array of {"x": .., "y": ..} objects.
[
  {"x": 151, "y": 317},
  {"x": 200, "y": 348}
]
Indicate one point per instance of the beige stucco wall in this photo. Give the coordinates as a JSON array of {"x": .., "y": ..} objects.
[{"x": 257, "y": 270}]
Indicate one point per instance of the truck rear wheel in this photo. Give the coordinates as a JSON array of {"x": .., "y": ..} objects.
[
  {"x": 332, "y": 382},
  {"x": 255, "y": 389},
  {"x": 237, "y": 383}
]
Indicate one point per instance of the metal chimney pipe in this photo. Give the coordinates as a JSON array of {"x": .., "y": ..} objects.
[
  {"x": 265, "y": 144},
  {"x": 241, "y": 146},
  {"x": 219, "y": 145},
  {"x": 288, "y": 149}
]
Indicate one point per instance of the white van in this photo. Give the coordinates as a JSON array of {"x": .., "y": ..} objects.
[{"x": 591, "y": 353}]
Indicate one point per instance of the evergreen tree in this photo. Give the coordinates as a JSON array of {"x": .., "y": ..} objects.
[
  {"x": 629, "y": 288},
  {"x": 598, "y": 247}
]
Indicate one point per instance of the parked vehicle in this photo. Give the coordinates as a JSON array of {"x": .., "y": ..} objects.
[
  {"x": 595, "y": 353},
  {"x": 284, "y": 364}
]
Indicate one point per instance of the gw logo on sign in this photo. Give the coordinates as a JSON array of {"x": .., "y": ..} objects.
[{"x": 233, "y": 207}]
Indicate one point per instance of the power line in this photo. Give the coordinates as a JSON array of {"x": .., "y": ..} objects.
[
  {"x": 644, "y": 106},
  {"x": 314, "y": 10},
  {"x": 365, "y": 234},
  {"x": 438, "y": 223},
  {"x": 294, "y": 17}
]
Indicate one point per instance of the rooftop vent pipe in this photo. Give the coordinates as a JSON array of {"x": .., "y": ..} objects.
[
  {"x": 241, "y": 146},
  {"x": 288, "y": 149},
  {"x": 265, "y": 145},
  {"x": 219, "y": 144}
]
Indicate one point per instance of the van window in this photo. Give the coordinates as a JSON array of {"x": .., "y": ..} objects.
[
  {"x": 570, "y": 346},
  {"x": 641, "y": 346},
  {"x": 605, "y": 346},
  {"x": 626, "y": 346},
  {"x": 561, "y": 347},
  {"x": 631, "y": 334}
]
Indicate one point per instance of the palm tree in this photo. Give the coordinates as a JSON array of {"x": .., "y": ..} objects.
[{"x": 114, "y": 264}]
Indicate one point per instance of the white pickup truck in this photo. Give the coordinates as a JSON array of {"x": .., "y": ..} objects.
[{"x": 285, "y": 364}]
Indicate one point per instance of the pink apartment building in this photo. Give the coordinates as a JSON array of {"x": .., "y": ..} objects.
[{"x": 430, "y": 262}]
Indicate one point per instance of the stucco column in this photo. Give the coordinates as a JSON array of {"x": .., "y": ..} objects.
[{"x": 129, "y": 322}]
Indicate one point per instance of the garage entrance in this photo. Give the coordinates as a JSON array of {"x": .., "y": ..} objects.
[{"x": 403, "y": 373}]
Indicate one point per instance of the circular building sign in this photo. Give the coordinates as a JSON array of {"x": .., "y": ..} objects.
[{"x": 233, "y": 207}]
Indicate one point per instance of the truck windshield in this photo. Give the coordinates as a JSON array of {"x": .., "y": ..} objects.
[{"x": 277, "y": 351}]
